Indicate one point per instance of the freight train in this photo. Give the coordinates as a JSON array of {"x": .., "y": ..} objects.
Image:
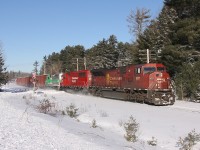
[
  {"x": 146, "y": 83},
  {"x": 41, "y": 81}
]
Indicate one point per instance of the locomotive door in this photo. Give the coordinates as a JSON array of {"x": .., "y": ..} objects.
[
  {"x": 128, "y": 78},
  {"x": 137, "y": 77}
]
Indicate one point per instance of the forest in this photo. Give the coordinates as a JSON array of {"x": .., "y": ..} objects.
[{"x": 173, "y": 39}]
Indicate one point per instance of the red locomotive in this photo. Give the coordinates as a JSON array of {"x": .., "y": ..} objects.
[
  {"x": 76, "y": 80},
  {"x": 149, "y": 83},
  {"x": 40, "y": 80}
]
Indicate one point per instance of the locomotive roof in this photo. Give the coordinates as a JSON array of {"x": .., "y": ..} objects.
[
  {"x": 150, "y": 64},
  {"x": 137, "y": 65},
  {"x": 101, "y": 71}
]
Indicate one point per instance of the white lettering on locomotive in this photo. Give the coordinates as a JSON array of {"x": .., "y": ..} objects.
[
  {"x": 115, "y": 78},
  {"x": 74, "y": 79}
]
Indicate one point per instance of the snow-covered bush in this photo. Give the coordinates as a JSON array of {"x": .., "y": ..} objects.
[
  {"x": 72, "y": 111},
  {"x": 94, "y": 123},
  {"x": 63, "y": 112},
  {"x": 45, "y": 106},
  {"x": 121, "y": 123},
  {"x": 27, "y": 101},
  {"x": 152, "y": 142},
  {"x": 131, "y": 128},
  {"x": 103, "y": 113},
  {"x": 189, "y": 141},
  {"x": 83, "y": 109}
]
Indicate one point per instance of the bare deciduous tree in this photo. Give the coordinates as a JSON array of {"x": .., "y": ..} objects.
[{"x": 138, "y": 20}]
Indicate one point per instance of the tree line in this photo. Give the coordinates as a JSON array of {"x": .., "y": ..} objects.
[{"x": 107, "y": 53}]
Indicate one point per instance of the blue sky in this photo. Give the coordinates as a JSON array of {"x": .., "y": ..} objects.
[{"x": 31, "y": 29}]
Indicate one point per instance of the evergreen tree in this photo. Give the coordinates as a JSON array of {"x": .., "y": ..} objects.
[
  {"x": 3, "y": 72},
  {"x": 185, "y": 8},
  {"x": 156, "y": 36},
  {"x": 69, "y": 55},
  {"x": 166, "y": 19},
  {"x": 43, "y": 69},
  {"x": 173, "y": 59},
  {"x": 111, "y": 53},
  {"x": 175, "y": 34},
  {"x": 90, "y": 57},
  {"x": 54, "y": 64},
  {"x": 184, "y": 46},
  {"x": 100, "y": 58},
  {"x": 187, "y": 34},
  {"x": 126, "y": 54},
  {"x": 103, "y": 55},
  {"x": 36, "y": 64},
  {"x": 188, "y": 80}
]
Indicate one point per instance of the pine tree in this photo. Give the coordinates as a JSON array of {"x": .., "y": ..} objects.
[
  {"x": 36, "y": 64},
  {"x": 90, "y": 57},
  {"x": 166, "y": 19},
  {"x": 182, "y": 56},
  {"x": 100, "y": 58},
  {"x": 173, "y": 59},
  {"x": 111, "y": 53},
  {"x": 68, "y": 58},
  {"x": 188, "y": 80},
  {"x": 103, "y": 55},
  {"x": 185, "y": 8},
  {"x": 126, "y": 54},
  {"x": 156, "y": 36},
  {"x": 3, "y": 72}
]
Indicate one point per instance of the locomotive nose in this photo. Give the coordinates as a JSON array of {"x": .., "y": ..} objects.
[{"x": 160, "y": 80}]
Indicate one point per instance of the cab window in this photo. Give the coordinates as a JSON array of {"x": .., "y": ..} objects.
[
  {"x": 82, "y": 74},
  {"x": 149, "y": 70},
  {"x": 137, "y": 70},
  {"x": 55, "y": 76},
  {"x": 160, "y": 69}
]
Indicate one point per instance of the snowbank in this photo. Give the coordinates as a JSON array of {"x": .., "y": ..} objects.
[{"x": 23, "y": 127}]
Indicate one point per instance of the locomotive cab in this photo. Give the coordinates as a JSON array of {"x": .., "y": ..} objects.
[
  {"x": 157, "y": 76},
  {"x": 65, "y": 81},
  {"x": 159, "y": 87}
]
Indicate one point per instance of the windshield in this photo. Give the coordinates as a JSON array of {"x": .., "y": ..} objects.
[
  {"x": 149, "y": 70},
  {"x": 160, "y": 69}
]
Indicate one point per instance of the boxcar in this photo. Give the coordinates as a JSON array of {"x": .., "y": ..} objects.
[
  {"x": 40, "y": 80},
  {"x": 24, "y": 81}
]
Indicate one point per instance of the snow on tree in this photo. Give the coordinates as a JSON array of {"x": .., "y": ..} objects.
[{"x": 3, "y": 72}]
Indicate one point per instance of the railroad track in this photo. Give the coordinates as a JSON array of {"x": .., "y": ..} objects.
[{"x": 189, "y": 108}]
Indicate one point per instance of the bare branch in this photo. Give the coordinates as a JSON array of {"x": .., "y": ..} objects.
[{"x": 138, "y": 20}]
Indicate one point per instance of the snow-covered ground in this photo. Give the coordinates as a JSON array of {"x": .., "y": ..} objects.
[{"x": 22, "y": 126}]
